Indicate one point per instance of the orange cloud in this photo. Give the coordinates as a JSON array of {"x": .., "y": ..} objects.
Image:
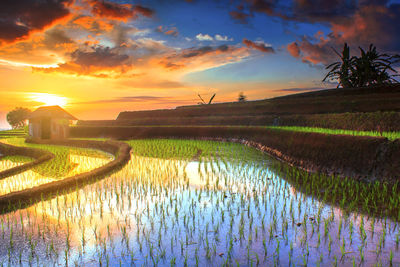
[
  {"x": 294, "y": 49},
  {"x": 102, "y": 62},
  {"x": 359, "y": 24},
  {"x": 93, "y": 24},
  {"x": 118, "y": 11}
]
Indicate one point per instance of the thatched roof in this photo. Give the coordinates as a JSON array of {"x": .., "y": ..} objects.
[{"x": 52, "y": 112}]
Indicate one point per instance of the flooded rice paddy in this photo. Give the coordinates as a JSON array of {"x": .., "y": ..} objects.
[{"x": 200, "y": 203}]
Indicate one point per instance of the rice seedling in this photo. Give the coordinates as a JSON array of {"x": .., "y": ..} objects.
[
  {"x": 187, "y": 202},
  {"x": 67, "y": 162}
]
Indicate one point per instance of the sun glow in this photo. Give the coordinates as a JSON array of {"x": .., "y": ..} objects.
[{"x": 48, "y": 99}]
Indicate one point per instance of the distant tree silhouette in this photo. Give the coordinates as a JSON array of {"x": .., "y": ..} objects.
[
  {"x": 371, "y": 68},
  {"x": 242, "y": 97},
  {"x": 17, "y": 117}
]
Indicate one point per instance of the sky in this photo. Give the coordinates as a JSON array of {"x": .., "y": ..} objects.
[{"x": 97, "y": 58}]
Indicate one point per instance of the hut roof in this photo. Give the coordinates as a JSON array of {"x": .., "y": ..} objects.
[{"x": 53, "y": 112}]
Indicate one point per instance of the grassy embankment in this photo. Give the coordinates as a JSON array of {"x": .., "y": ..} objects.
[{"x": 388, "y": 135}]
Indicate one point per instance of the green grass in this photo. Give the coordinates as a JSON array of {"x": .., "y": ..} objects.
[{"x": 388, "y": 135}]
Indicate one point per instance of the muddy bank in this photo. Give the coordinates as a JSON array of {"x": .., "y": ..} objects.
[{"x": 363, "y": 158}]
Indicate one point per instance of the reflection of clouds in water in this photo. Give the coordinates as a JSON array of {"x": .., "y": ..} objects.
[{"x": 155, "y": 205}]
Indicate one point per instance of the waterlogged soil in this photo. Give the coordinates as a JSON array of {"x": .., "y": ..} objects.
[
  {"x": 67, "y": 162},
  {"x": 225, "y": 206},
  {"x": 8, "y": 162}
]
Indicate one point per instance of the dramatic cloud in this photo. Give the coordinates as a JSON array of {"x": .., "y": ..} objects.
[
  {"x": 118, "y": 11},
  {"x": 98, "y": 61},
  {"x": 200, "y": 58},
  {"x": 18, "y": 19},
  {"x": 57, "y": 38},
  {"x": 259, "y": 46},
  {"x": 100, "y": 56},
  {"x": 92, "y": 24},
  {"x": 358, "y": 23},
  {"x": 371, "y": 23}
]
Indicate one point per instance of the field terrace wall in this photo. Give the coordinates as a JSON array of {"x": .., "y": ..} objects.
[
  {"x": 321, "y": 102},
  {"x": 38, "y": 155},
  {"x": 371, "y": 121},
  {"x": 367, "y": 109},
  {"x": 364, "y": 158},
  {"x": 22, "y": 198}
]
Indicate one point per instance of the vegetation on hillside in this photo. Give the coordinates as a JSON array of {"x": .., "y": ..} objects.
[{"x": 370, "y": 68}]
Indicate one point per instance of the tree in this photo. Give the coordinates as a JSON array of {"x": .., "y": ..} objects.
[
  {"x": 242, "y": 97},
  {"x": 204, "y": 102},
  {"x": 341, "y": 70},
  {"x": 17, "y": 117},
  {"x": 371, "y": 68}
]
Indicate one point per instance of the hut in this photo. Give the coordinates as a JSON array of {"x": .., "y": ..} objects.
[{"x": 50, "y": 122}]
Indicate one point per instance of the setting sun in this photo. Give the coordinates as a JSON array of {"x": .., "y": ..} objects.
[{"x": 48, "y": 99}]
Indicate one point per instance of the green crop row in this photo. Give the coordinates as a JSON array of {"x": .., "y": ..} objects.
[{"x": 207, "y": 203}]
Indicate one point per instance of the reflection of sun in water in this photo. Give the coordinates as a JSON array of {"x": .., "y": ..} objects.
[{"x": 49, "y": 99}]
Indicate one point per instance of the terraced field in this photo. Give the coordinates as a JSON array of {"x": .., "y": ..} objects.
[
  {"x": 185, "y": 202},
  {"x": 67, "y": 162}
]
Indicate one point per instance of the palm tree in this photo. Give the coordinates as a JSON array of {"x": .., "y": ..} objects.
[
  {"x": 341, "y": 70},
  {"x": 371, "y": 68}
]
